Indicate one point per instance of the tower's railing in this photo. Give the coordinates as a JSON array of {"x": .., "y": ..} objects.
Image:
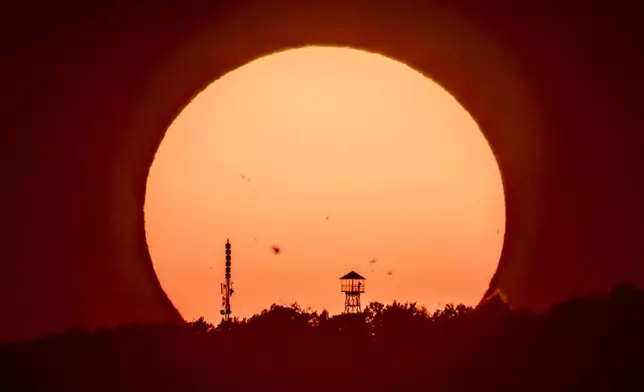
[{"x": 352, "y": 286}]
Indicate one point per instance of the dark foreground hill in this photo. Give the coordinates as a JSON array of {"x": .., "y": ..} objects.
[{"x": 590, "y": 344}]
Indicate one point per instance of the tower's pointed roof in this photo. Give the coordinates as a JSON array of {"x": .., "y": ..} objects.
[{"x": 352, "y": 275}]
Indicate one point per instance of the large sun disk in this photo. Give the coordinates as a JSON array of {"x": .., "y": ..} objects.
[{"x": 347, "y": 160}]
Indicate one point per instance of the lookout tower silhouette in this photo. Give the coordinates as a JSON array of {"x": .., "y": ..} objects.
[{"x": 352, "y": 285}]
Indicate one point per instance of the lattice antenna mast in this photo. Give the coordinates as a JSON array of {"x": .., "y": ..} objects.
[{"x": 226, "y": 287}]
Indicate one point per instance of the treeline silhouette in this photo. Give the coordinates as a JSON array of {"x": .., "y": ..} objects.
[{"x": 586, "y": 344}]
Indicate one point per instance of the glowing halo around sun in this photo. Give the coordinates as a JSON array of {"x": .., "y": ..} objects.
[{"x": 344, "y": 160}]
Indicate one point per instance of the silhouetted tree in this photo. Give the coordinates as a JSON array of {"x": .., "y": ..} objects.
[
  {"x": 200, "y": 325},
  {"x": 586, "y": 344}
]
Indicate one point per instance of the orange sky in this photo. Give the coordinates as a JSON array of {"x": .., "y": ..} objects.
[{"x": 399, "y": 167}]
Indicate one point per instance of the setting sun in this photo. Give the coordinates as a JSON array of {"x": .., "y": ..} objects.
[{"x": 341, "y": 159}]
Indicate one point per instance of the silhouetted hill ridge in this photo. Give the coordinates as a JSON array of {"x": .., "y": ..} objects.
[{"x": 587, "y": 344}]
